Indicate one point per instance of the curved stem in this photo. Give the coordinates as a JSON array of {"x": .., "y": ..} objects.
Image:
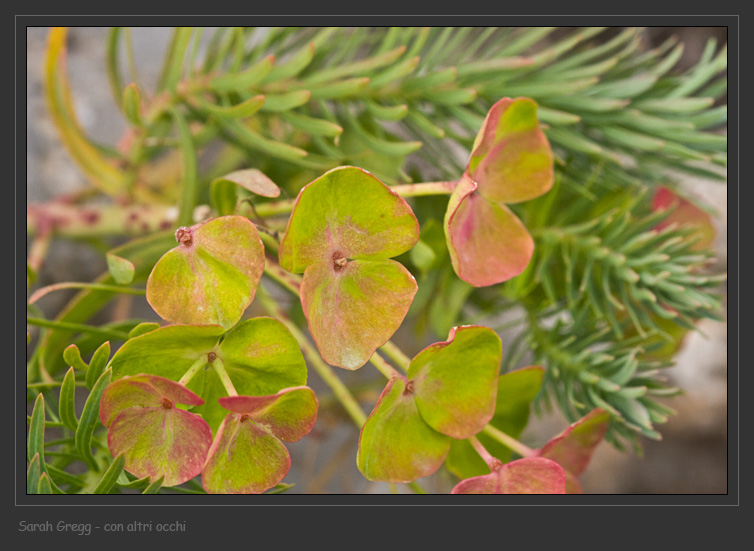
[
  {"x": 396, "y": 354},
  {"x": 483, "y": 453},
  {"x": 385, "y": 368},
  {"x": 509, "y": 442},
  {"x": 200, "y": 362},
  {"x": 39, "y": 293},
  {"x": 219, "y": 367},
  {"x": 423, "y": 189},
  {"x": 79, "y": 327}
]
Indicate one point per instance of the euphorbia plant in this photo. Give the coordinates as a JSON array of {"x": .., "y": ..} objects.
[{"x": 206, "y": 400}]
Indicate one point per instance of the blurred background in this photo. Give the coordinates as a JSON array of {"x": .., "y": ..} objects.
[{"x": 691, "y": 458}]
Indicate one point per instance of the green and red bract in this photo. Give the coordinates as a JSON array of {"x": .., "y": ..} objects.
[
  {"x": 449, "y": 393},
  {"x": 515, "y": 392},
  {"x": 248, "y": 455},
  {"x": 511, "y": 161},
  {"x": 345, "y": 227},
  {"x": 573, "y": 448},
  {"x": 530, "y": 475},
  {"x": 157, "y": 438},
  {"x": 259, "y": 355},
  {"x": 685, "y": 214},
  {"x": 211, "y": 276}
]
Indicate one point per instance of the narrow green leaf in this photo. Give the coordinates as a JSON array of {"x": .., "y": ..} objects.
[
  {"x": 293, "y": 66},
  {"x": 357, "y": 68},
  {"x": 36, "y": 441},
  {"x": 674, "y": 105},
  {"x": 97, "y": 364},
  {"x": 72, "y": 357},
  {"x": 527, "y": 38},
  {"x": 431, "y": 81},
  {"x": 239, "y": 111},
  {"x": 396, "y": 72},
  {"x": 626, "y": 88},
  {"x": 339, "y": 90},
  {"x": 393, "y": 149},
  {"x": 631, "y": 139},
  {"x": 223, "y": 197},
  {"x": 457, "y": 96},
  {"x": 66, "y": 407},
  {"x": 284, "y": 102},
  {"x": 320, "y": 127},
  {"x": 554, "y": 116},
  {"x": 494, "y": 65},
  {"x": 386, "y": 112},
  {"x": 90, "y": 419},
  {"x": 711, "y": 118},
  {"x": 121, "y": 269},
  {"x": 173, "y": 65},
  {"x": 113, "y": 65},
  {"x": 251, "y": 139},
  {"x": 154, "y": 487},
  {"x": 32, "y": 475},
  {"x": 425, "y": 125},
  {"x": 189, "y": 192},
  {"x": 45, "y": 486},
  {"x": 111, "y": 475},
  {"x": 550, "y": 88},
  {"x": 583, "y": 103},
  {"x": 245, "y": 80},
  {"x": 132, "y": 105},
  {"x": 89, "y": 158}
]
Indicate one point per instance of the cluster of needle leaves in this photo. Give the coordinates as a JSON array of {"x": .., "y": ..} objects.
[{"x": 563, "y": 203}]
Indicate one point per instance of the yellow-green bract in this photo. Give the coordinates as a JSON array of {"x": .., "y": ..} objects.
[
  {"x": 211, "y": 276},
  {"x": 344, "y": 228},
  {"x": 449, "y": 393}
]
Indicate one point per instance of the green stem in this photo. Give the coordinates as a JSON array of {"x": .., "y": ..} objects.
[
  {"x": 39, "y": 293},
  {"x": 200, "y": 362},
  {"x": 385, "y": 368},
  {"x": 423, "y": 189},
  {"x": 78, "y": 327},
  {"x": 396, "y": 354},
  {"x": 483, "y": 453},
  {"x": 509, "y": 442},
  {"x": 217, "y": 363}
]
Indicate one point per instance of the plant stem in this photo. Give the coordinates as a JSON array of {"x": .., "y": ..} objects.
[
  {"x": 39, "y": 293},
  {"x": 287, "y": 280},
  {"x": 79, "y": 327},
  {"x": 423, "y": 189},
  {"x": 396, "y": 354},
  {"x": 339, "y": 389},
  {"x": 482, "y": 451},
  {"x": 385, "y": 368},
  {"x": 200, "y": 362},
  {"x": 224, "y": 378},
  {"x": 509, "y": 442}
]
